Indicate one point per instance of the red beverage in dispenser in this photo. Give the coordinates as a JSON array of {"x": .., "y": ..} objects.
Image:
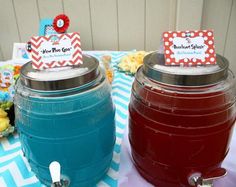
[{"x": 181, "y": 120}]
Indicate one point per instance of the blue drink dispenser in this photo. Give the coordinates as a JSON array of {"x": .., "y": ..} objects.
[{"x": 66, "y": 114}]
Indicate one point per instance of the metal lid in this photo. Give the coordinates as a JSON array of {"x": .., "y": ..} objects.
[
  {"x": 60, "y": 78},
  {"x": 154, "y": 67}
]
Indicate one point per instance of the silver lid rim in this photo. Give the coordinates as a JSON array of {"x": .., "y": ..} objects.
[
  {"x": 61, "y": 84},
  {"x": 186, "y": 79}
]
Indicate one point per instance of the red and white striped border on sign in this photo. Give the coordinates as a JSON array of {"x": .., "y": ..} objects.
[{"x": 36, "y": 42}]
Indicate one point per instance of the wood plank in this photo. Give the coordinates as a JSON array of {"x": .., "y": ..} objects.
[
  {"x": 27, "y": 18},
  {"x": 104, "y": 24},
  {"x": 189, "y": 14},
  {"x": 131, "y": 26},
  {"x": 79, "y": 14},
  {"x": 1, "y": 55},
  {"x": 172, "y": 16},
  {"x": 50, "y": 9},
  {"x": 216, "y": 14},
  {"x": 230, "y": 47},
  {"x": 158, "y": 19},
  {"x": 9, "y": 32}
]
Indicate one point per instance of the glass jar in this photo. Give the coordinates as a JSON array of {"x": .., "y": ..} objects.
[
  {"x": 66, "y": 115},
  {"x": 180, "y": 119}
]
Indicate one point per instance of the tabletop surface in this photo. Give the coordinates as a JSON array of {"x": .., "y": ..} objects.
[{"x": 15, "y": 171}]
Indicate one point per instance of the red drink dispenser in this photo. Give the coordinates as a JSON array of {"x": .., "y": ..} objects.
[{"x": 181, "y": 121}]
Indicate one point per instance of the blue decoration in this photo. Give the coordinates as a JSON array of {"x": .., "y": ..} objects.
[
  {"x": 46, "y": 27},
  {"x": 4, "y": 96}
]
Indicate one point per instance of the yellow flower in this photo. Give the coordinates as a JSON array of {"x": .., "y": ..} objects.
[
  {"x": 132, "y": 62},
  {"x": 2, "y": 113},
  {"x": 4, "y": 123}
]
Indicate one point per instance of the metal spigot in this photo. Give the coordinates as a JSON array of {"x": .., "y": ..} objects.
[
  {"x": 63, "y": 183},
  {"x": 57, "y": 179},
  {"x": 206, "y": 180}
]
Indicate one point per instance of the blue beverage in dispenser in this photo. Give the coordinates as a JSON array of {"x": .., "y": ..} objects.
[{"x": 66, "y": 115}]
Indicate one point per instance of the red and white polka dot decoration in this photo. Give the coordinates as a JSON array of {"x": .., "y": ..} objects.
[{"x": 207, "y": 36}]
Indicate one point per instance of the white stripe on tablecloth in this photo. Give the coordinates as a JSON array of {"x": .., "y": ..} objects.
[
  {"x": 121, "y": 120},
  {"x": 117, "y": 84},
  {"x": 9, "y": 156},
  {"x": 18, "y": 178},
  {"x": 2, "y": 182},
  {"x": 116, "y": 157},
  {"x": 119, "y": 130},
  {"x": 7, "y": 146},
  {"x": 125, "y": 102},
  {"x": 102, "y": 184},
  {"x": 121, "y": 109},
  {"x": 118, "y": 140},
  {"x": 112, "y": 173},
  {"x": 123, "y": 93},
  {"x": 127, "y": 82}
]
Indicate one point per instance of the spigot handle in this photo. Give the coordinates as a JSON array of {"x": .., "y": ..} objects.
[
  {"x": 58, "y": 180},
  {"x": 55, "y": 172},
  {"x": 206, "y": 180},
  {"x": 215, "y": 174}
]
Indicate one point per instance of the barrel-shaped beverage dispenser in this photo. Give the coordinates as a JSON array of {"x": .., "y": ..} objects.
[
  {"x": 181, "y": 121},
  {"x": 65, "y": 115}
]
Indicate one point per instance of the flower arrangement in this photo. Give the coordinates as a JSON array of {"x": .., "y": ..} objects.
[{"x": 9, "y": 73}]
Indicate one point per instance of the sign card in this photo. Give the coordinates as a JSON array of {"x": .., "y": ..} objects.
[
  {"x": 56, "y": 50},
  {"x": 189, "y": 48}
]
